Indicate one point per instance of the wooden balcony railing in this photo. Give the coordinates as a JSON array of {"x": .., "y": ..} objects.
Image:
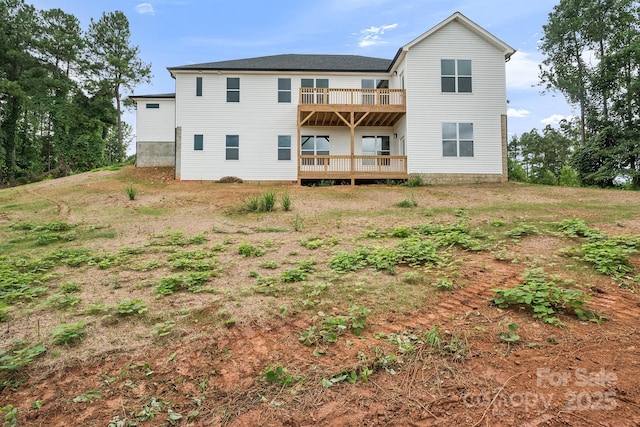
[
  {"x": 330, "y": 96},
  {"x": 356, "y": 167}
]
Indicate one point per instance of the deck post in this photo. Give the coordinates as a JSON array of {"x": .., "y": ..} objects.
[{"x": 352, "y": 126}]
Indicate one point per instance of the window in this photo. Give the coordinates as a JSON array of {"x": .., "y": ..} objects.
[
  {"x": 233, "y": 89},
  {"x": 314, "y": 146},
  {"x": 153, "y": 105},
  {"x": 314, "y": 96},
  {"x": 284, "y": 147},
  {"x": 457, "y": 139},
  {"x": 376, "y": 146},
  {"x": 198, "y": 86},
  {"x": 370, "y": 92},
  {"x": 284, "y": 90},
  {"x": 198, "y": 142},
  {"x": 232, "y": 147},
  {"x": 456, "y": 75}
]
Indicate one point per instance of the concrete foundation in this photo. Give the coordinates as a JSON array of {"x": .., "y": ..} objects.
[{"x": 155, "y": 153}]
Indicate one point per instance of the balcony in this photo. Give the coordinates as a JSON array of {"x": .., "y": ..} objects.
[
  {"x": 334, "y": 107},
  {"x": 352, "y": 167}
]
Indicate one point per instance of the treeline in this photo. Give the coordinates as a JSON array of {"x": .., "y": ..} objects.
[
  {"x": 592, "y": 50},
  {"x": 61, "y": 91}
]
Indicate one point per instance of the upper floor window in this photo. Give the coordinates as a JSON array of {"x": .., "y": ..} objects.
[
  {"x": 457, "y": 139},
  {"x": 456, "y": 75},
  {"x": 233, "y": 89},
  {"x": 152, "y": 105},
  {"x": 198, "y": 86},
  {"x": 232, "y": 147},
  {"x": 314, "y": 96},
  {"x": 284, "y": 90},
  {"x": 369, "y": 95}
]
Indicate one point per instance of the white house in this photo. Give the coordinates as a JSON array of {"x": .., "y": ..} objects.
[{"x": 438, "y": 109}]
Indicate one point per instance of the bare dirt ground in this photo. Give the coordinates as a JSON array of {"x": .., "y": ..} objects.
[{"x": 212, "y": 373}]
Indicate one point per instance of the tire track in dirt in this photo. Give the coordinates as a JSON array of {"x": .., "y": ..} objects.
[
  {"x": 622, "y": 307},
  {"x": 63, "y": 209}
]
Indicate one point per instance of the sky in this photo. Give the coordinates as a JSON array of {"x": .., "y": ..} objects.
[{"x": 180, "y": 32}]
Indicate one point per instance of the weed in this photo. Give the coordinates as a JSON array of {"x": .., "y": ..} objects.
[
  {"x": 279, "y": 374},
  {"x": 69, "y": 334},
  {"x": 9, "y": 415},
  {"x": 131, "y": 192},
  {"x": 268, "y": 202},
  {"x": 176, "y": 238},
  {"x": 434, "y": 339},
  {"x": 286, "y": 202},
  {"x": 271, "y": 265},
  {"x": 298, "y": 222},
  {"x": 511, "y": 336},
  {"x": 541, "y": 294},
  {"x": 130, "y": 308},
  {"x": 89, "y": 396},
  {"x": 69, "y": 287},
  {"x": 522, "y": 230},
  {"x": 412, "y": 278},
  {"x": 411, "y": 202},
  {"x": 192, "y": 282},
  {"x": 344, "y": 262},
  {"x": 247, "y": 250},
  {"x": 163, "y": 329},
  {"x": 331, "y": 327},
  {"x": 414, "y": 181},
  {"x": 298, "y": 273},
  {"x": 11, "y": 361},
  {"x": 574, "y": 227},
  {"x": 444, "y": 285},
  {"x": 609, "y": 257}
]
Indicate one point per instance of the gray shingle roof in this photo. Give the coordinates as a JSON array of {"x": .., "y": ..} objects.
[
  {"x": 156, "y": 95},
  {"x": 296, "y": 62}
]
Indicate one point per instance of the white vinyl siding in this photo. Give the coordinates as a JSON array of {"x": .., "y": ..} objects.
[
  {"x": 258, "y": 125},
  {"x": 155, "y": 124},
  {"x": 428, "y": 107}
]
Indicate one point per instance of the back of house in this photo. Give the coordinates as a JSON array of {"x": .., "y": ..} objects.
[{"x": 438, "y": 110}]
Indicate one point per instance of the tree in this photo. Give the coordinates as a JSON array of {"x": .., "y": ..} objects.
[
  {"x": 114, "y": 62},
  {"x": 606, "y": 89}
]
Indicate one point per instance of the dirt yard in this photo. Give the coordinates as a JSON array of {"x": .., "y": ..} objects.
[{"x": 433, "y": 351}]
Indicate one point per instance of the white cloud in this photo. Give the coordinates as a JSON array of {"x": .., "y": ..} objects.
[
  {"x": 145, "y": 9},
  {"x": 512, "y": 112},
  {"x": 554, "y": 119},
  {"x": 372, "y": 36},
  {"x": 522, "y": 71}
]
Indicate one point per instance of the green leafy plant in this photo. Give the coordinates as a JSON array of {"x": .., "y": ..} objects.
[
  {"x": 521, "y": 231},
  {"x": 12, "y": 360},
  {"x": 610, "y": 257},
  {"x": 88, "y": 396},
  {"x": 298, "y": 273},
  {"x": 574, "y": 227},
  {"x": 511, "y": 336},
  {"x": 279, "y": 374},
  {"x": 9, "y": 415},
  {"x": 247, "y": 250},
  {"x": 271, "y": 265},
  {"x": 69, "y": 334},
  {"x": 444, "y": 284},
  {"x": 541, "y": 294},
  {"x": 163, "y": 329},
  {"x": 329, "y": 328},
  {"x": 130, "y": 308}
]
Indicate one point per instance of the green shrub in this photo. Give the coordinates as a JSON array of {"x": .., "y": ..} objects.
[
  {"x": 568, "y": 177},
  {"x": 131, "y": 192},
  {"x": 516, "y": 172},
  {"x": 286, "y": 202}
]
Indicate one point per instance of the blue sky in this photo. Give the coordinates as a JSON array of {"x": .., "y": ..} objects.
[{"x": 180, "y": 32}]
